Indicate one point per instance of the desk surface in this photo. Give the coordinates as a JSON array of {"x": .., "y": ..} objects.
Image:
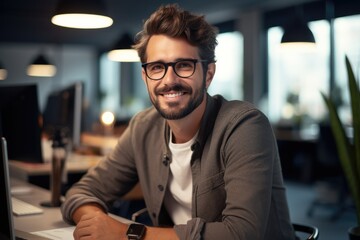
[
  {"x": 50, "y": 219},
  {"x": 75, "y": 164}
]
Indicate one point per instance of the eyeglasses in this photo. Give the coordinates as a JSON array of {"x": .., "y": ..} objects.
[{"x": 183, "y": 68}]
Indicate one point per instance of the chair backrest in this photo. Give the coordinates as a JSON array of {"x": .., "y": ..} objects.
[{"x": 311, "y": 232}]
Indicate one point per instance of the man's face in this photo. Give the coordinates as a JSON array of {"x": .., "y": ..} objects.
[{"x": 175, "y": 97}]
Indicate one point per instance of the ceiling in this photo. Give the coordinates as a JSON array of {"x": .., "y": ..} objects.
[{"x": 28, "y": 21}]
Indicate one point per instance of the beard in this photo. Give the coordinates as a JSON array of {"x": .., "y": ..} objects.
[{"x": 174, "y": 113}]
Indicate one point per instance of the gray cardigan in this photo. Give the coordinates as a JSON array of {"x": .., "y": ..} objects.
[{"x": 238, "y": 190}]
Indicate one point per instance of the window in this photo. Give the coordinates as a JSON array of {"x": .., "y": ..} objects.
[
  {"x": 296, "y": 78},
  {"x": 109, "y": 84},
  {"x": 229, "y": 66},
  {"x": 347, "y": 38},
  {"x": 122, "y": 90}
]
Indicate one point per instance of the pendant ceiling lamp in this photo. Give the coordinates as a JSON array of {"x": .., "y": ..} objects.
[
  {"x": 297, "y": 33},
  {"x": 41, "y": 67},
  {"x": 3, "y": 72},
  {"x": 81, "y": 14},
  {"x": 122, "y": 50}
]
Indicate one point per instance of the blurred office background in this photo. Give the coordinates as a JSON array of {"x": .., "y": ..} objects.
[{"x": 252, "y": 65}]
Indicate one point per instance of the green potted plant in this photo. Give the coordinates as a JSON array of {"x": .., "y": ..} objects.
[{"x": 349, "y": 148}]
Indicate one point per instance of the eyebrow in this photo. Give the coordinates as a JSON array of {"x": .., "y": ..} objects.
[{"x": 176, "y": 60}]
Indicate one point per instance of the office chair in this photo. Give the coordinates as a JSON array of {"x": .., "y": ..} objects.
[{"x": 310, "y": 232}]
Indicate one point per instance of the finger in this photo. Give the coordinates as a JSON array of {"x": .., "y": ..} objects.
[{"x": 81, "y": 232}]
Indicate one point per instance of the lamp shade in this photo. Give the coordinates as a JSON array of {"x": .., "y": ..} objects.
[
  {"x": 81, "y": 14},
  {"x": 298, "y": 32},
  {"x": 3, "y": 72},
  {"x": 122, "y": 50},
  {"x": 41, "y": 67}
]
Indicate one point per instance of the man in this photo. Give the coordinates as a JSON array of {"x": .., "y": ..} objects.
[{"x": 208, "y": 168}]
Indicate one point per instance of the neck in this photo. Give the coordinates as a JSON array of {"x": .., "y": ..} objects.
[{"x": 184, "y": 129}]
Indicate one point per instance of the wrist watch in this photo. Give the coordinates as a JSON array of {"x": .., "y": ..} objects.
[{"x": 135, "y": 231}]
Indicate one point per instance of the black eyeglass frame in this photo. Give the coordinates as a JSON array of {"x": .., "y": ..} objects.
[{"x": 172, "y": 64}]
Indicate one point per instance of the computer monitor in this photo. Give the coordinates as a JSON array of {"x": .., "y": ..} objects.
[
  {"x": 20, "y": 122},
  {"x": 63, "y": 112}
]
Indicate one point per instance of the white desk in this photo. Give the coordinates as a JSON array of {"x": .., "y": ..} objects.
[{"x": 50, "y": 219}]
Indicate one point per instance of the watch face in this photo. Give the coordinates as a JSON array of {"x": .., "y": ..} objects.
[{"x": 135, "y": 231}]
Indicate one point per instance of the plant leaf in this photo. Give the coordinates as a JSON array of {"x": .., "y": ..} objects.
[
  {"x": 355, "y": 109},
  {"x": 346, "y": 151}
]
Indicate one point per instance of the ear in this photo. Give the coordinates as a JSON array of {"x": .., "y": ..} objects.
[
  {"x": 143, "y": 76},
  {"x": 210, "y": 74}
]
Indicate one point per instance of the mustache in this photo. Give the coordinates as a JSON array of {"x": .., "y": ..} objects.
[{"x": 176, "y": 87}]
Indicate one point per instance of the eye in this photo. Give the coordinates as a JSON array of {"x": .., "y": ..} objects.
[
  {"x": 185, "y": 65},
  {"x": 156, "y": 67}
]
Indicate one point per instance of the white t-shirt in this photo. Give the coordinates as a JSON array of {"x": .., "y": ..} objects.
[{"x": 179, "y": 197}]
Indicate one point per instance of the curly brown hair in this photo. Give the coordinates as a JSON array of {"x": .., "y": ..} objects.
[{"x": 173, "y": 21}]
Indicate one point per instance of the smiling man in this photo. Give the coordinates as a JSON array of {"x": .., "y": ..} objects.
[{"x": 208, "y": 168}]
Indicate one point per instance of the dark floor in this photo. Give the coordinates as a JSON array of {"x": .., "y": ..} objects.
[{"x": 300, "y": 196}]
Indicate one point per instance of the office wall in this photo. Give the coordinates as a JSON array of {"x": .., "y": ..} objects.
[{"x": 73, "y": 62}]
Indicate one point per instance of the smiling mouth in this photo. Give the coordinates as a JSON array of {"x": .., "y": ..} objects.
[{"x": 173, "y": 94}]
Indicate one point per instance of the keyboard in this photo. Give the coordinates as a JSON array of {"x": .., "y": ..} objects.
[{"x": 21, "y": 208}]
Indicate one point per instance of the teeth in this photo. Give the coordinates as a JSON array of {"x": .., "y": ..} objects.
[{"x": 172, "y": 95}]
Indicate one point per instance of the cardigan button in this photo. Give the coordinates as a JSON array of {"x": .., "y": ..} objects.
[
  {"x": 166, "y": 160},
  {"x": 161, "y": 187},
  {"x": 154, "y": 215}
]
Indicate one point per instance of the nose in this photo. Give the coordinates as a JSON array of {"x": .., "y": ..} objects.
[{"x": 170, "y": 76}]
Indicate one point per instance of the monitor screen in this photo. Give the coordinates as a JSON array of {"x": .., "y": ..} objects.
[
  {"x": 20, "y": 122},
  {"x": 63, "y": 113}
]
